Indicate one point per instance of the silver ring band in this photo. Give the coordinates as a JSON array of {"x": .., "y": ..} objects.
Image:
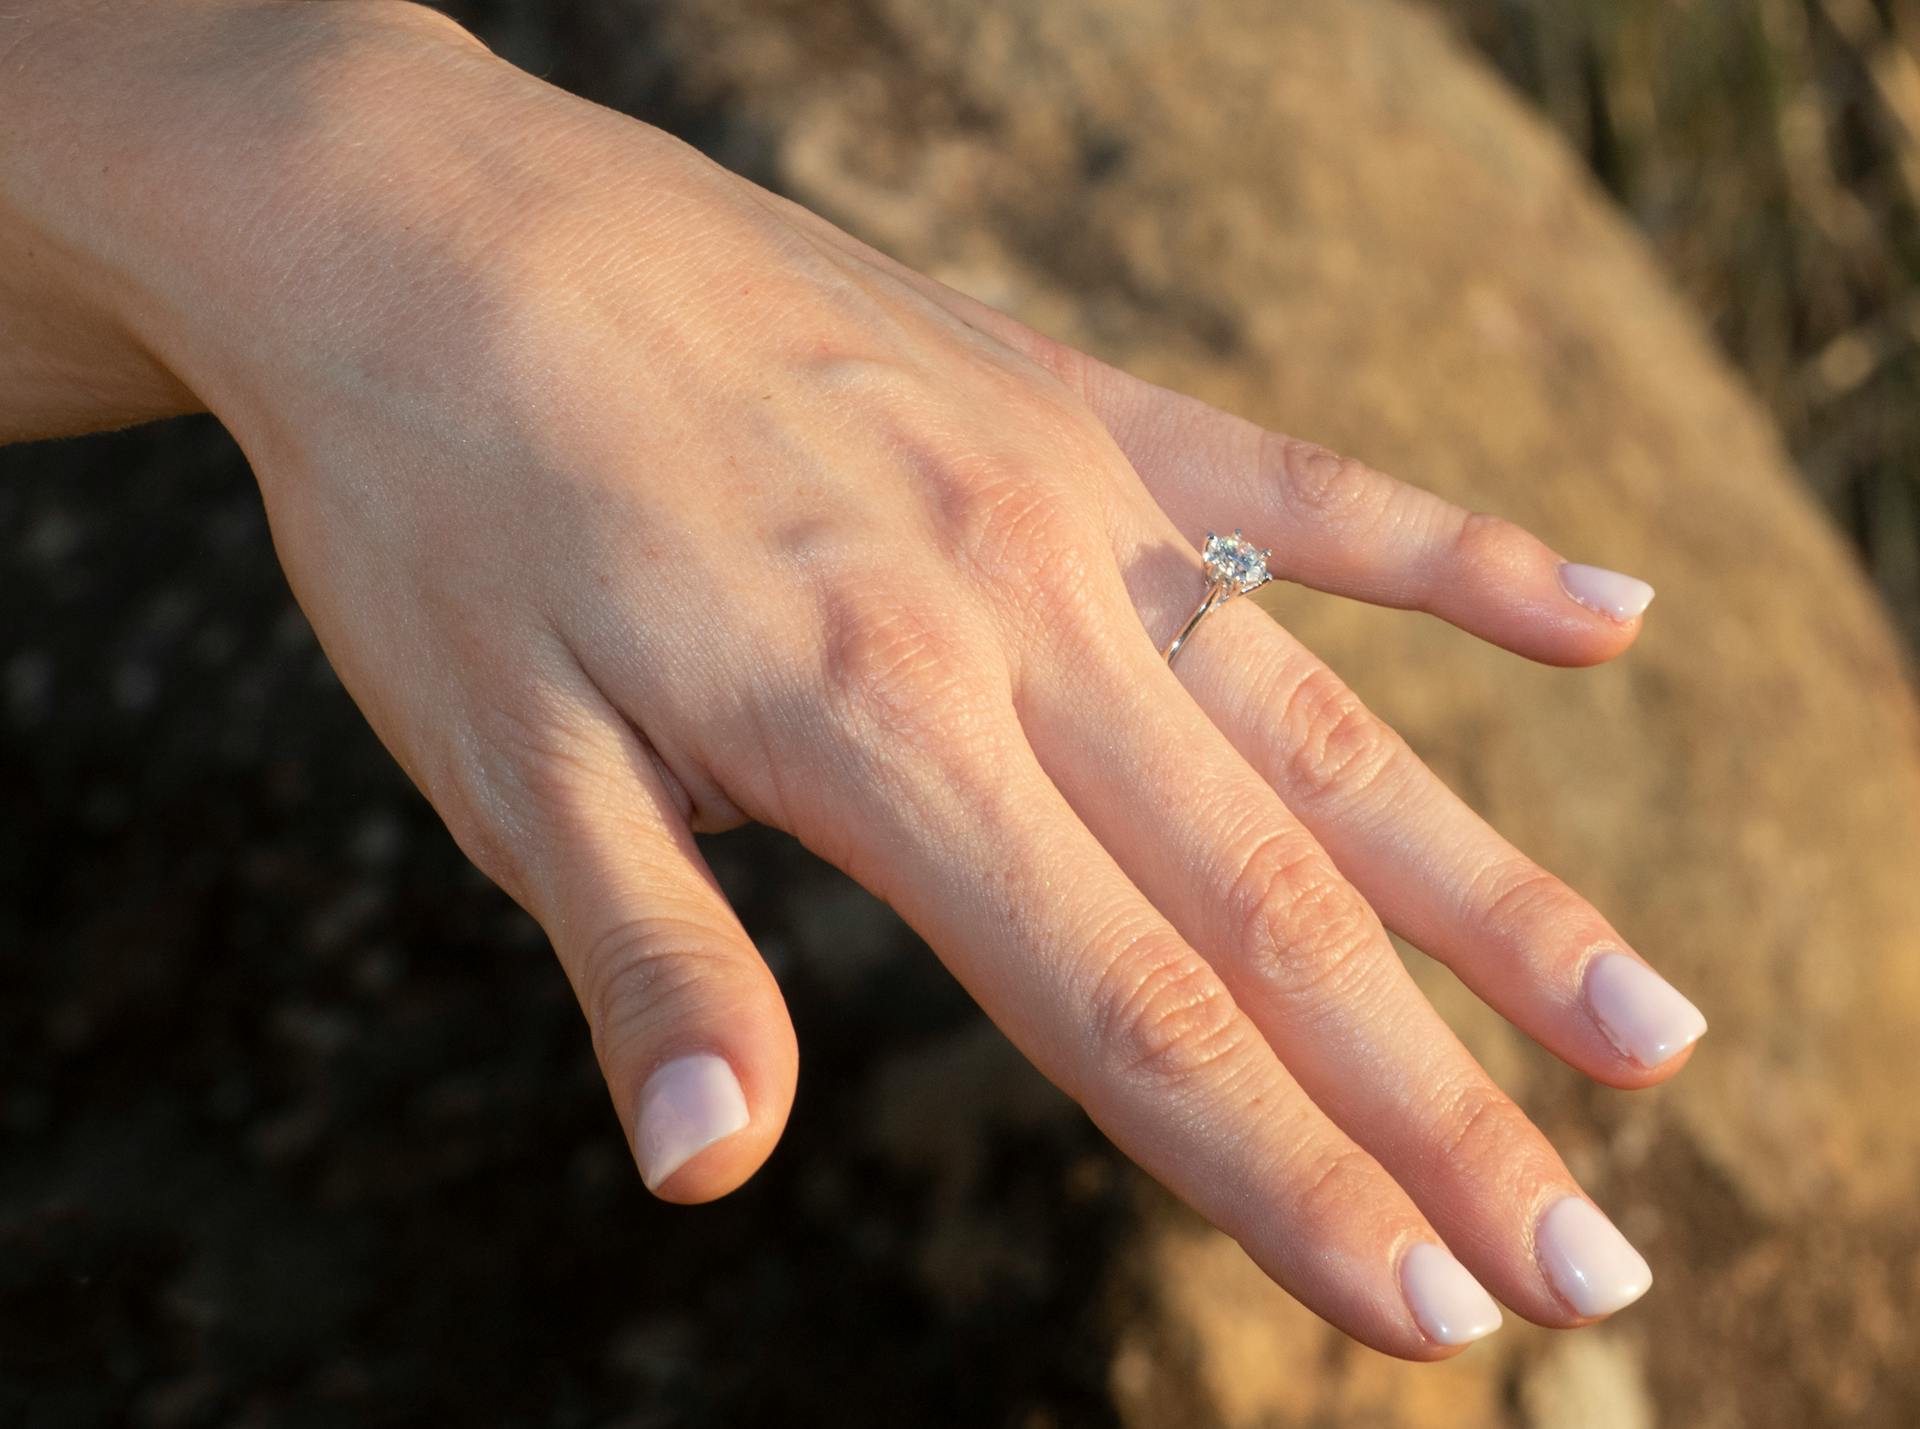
[{"x": 1218, "y": 594}]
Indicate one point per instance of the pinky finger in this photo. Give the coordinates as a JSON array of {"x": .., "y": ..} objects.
[
  {"x": 1335, "y": 524},
  {"x": 1338, "y": 525}
]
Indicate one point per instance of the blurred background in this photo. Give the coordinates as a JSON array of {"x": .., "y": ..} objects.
[
  {"x": 298, "y": 1120},
  {"x": 1770, "y": 152}
]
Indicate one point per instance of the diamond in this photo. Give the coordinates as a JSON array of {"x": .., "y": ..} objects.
[{"x": 1236, "y": 560}]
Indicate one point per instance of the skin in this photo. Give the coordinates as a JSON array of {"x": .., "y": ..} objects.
[{"x": 630, "y": 500}]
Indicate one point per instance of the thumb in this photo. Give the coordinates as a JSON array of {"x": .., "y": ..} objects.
[{"x": 689, "y": 1025}]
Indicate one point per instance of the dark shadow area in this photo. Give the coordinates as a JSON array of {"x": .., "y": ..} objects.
[{"x": 299, "y": 1121}]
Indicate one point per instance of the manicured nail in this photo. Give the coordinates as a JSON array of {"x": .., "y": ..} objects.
[
  {"x": 1588, "y": 1261},
  {"x": 1447, "y": 1301},
  {"x": 1640, "y": 1011},
  {"x": 686, "y": 1106},
  {"x": 1609, "y": 592}
]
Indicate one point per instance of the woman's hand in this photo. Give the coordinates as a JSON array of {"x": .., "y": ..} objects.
[{"x": 629, "y": 500}]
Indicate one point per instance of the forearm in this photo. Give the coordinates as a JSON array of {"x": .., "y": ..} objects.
[
  {"x": 68, "y": 361},
  {"x": 163, "y": 194}
]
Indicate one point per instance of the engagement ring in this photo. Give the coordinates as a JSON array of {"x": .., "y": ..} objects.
[{"x": 1234, "y": 567}]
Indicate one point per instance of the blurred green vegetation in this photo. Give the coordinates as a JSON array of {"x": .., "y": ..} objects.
[{"x": 1770, "y": 149}]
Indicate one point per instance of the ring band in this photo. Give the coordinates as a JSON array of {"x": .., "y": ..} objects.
[{"x": 1234, "y": 567}]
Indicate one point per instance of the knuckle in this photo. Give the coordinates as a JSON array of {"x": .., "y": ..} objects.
[
  {"x": 1268, "y": 876},
  {"x": 1521, "y": 904},
  {"x": 1009, "y": 525},
  {"x": 1335, "y": 744},
  {"x": 890, "y": 666},
  {"x": 905, "y": 698},
  {"x": 1488, "y": 544},
  {"x": 1159, "y": 1012},
  {"x": 1324, "y": 485},
  {"x": 637, "y": 977},
  {"x": 1341, "y": 1180},
  {"x": 1022, "y": 536},
  {"x": 1312, "y": 934},
  {"x": 1479, "y": 1126}
]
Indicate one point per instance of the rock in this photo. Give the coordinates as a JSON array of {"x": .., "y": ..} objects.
[{"x": 1324, "y": 216}]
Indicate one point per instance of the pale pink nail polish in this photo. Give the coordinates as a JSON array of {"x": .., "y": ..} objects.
[
  {"x": 1447, "y": 1301},
  {"x": 1643, "y": 1015},
  {"x": 686, "y": 1106},
  {"x": 1589, "y": 1262},
  {"x": 1617, "y": 596}
]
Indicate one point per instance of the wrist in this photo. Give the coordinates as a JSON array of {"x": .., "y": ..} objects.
[{"x": 163, "y": 184}]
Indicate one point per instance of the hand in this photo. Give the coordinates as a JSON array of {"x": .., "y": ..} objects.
[{"x": 630, "y": 501}]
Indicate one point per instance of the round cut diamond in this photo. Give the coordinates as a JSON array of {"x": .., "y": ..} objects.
[{"x": 1236, "y": 560}]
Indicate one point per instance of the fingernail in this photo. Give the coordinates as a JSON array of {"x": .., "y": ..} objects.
[
  {"x": 1588, "y": 1261},
  {"x": 1641, "y": 1012},
  {"x": 1447, "y": 1301},
  {"x": 1609, "y": 592},
  {"x": 686, "y": 1106}
]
